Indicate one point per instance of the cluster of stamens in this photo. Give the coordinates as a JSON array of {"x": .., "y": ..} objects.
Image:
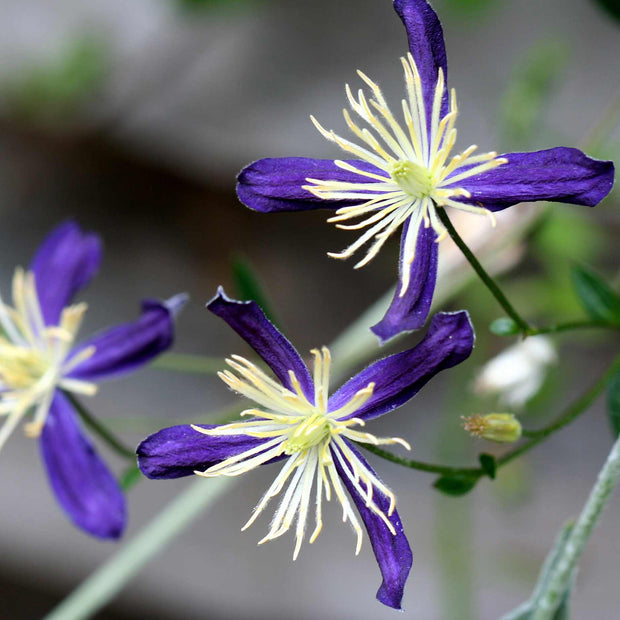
[
  {"x": 33, "y": 357},
  {"x": 313, "y": 439},
  {"x": 416, "y": 175}
]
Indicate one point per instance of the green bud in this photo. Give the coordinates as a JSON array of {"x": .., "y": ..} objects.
[
  {"x": 504, "y": 326},
  {"x": 500, "y": 427}
]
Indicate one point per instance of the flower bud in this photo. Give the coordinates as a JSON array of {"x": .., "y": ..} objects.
[{"x": 500, "y": 427}]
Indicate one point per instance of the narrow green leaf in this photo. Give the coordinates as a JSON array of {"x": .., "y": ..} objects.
[
  {"x": 455, "y": 485},
  {"x": 596, "y": 296},
  {"x": 487, "y": 462},
  {"x": 504, "y": 326},
  {"x": 249, "y": 287},
  {"x": 613, "y": 404}
]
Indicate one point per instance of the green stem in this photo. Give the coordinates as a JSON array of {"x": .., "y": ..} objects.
[
  {"x": 431, "y": 468},
  {"x": 572, "y": 412},
  {"x": 569, "y": 326},
  {"x": 559, "y": 580},
  {"x": 110, "y": 578},
  {"x": 488, "y": 281},
  {"x": 182, "y": 362},
  {"x": 100, "y": 429}
]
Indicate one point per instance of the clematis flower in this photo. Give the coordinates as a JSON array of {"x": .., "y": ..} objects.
[
  {"x": 295, "y": 421},
  {"x": 40, "y": 364},
  {"x": 404, "y": 170}
]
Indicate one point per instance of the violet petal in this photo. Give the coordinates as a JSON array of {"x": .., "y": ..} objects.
[
  {"x": 250, "y": 322},
  {"x": 399, "y": 377},
  {"x": 82, "y": 483},
  {"x": 65, "y": 262},
  {"x": 125, "y": 347},
  {"x": 275, "y": 184},
  {"x": 426, "y": 44},
  {"x": 560, "y": 174},
  {"x": 409, "y": 312},
  {"x": 392, "y": 552},
  {"x": 180, "y": 451}
]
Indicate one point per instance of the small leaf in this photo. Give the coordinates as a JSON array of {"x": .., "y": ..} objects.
[
  {"x": 487, "y": 462},
  {"x": 248, "y": 286},
  {"x": 596, "y": 296},
  {"x": 455, "y": 485},
  {"x": 613, "y": 404},
  {"x": 504, "y": 326}
]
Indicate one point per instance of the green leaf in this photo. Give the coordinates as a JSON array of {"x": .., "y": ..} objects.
[
  {"x": 487, "y": 462},
  {"x": 455, "y": 485},
  {"x": 596, "y": 296},
  {"x": 248, "y": 286},
  {"x": 130, "y": 477},
  {"x": 613, "y": 404},
  {"x": 504, "y": 326}
]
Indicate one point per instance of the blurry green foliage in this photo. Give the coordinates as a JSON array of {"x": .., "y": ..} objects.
[
  {"x": 596, "y": 296},
  {"x": 611, "y": 6},
  {"x": 53, "y": 88},
  {"x": 613, "y": 404},
  {"x": 470, "y": 6},
  {"x": 533, "y": 82},
  {"x": 248, "y": 286},
  {"x": 200, "y": 6}
]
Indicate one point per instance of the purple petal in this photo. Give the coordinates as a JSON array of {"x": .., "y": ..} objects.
[
  {"x": 123, "y": 348},
  {"x": 561, "y": 174},
  {"x": 393, "y": 552},
  {"x": 409, "y": 312},
  {"x": 426, "y": 45},
  {"x": 397, "y": 378},
  {"x": 64, "y": 263},
  {"x": 81, "y": 481},
  {"x": 275, "y": 184},
  {"x": 180, "y": 451},
  {"x": 250, "y": 322}
]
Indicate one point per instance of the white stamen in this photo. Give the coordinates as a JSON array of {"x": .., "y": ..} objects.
[
  {"x": 309, "y": 435},
  {"x": 417, "y": 178}
]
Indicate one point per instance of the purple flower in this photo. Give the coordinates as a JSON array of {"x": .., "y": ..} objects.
[
  {"x": 40, "y": 363},
  {"x": 296, "y": 421},
  {"x": 404, "y": 172}
]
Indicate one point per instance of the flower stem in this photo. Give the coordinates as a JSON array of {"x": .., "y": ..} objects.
[
  {"x": 100, "y": 429},
  {"x": 570, "y": 326},
  {"x": 488, "y": 281},
  {"x": 558, "y": 582},
  {"x": 572, "y": 412},
  {"x": 110, "y": 578}
]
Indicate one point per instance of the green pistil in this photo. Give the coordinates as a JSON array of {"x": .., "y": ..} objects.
[
  {"x": 412, "y": 178},
  {"x": 312, "y": 431}
]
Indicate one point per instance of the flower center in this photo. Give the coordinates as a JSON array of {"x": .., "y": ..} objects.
[
  {"x": 34, "y": 357},
  {"x": 313, "y": 437},
  {"x": 413, "y": 179}
]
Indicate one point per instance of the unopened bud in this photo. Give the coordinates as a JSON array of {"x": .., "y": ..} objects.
[{"x": 500, "y": 427}]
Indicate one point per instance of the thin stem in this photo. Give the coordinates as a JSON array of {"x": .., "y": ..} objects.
[
  {"x": 569, "y": 326},
  {"x": 100, "y": 429},
  {"x": 182, "y": 362},
  {"x": 110, "y": 578},
  {"x": 558, "y": 581},
  {"x": 488, "y": 281},
  {"x": 443, "y": 470},
  {"x": 572, "y": 412}
]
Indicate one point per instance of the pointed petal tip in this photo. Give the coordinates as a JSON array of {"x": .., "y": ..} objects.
[{"x": 176, "y": 303}]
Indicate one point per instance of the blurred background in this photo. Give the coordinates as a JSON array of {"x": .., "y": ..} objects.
[{"x": 134, "y": 118}]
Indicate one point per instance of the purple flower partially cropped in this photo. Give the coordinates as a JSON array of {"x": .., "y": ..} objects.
[
  {"x": 40, "y": 364},
  {"x": 313, "y": 434},
  {"x": 403, "y": 172}
]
